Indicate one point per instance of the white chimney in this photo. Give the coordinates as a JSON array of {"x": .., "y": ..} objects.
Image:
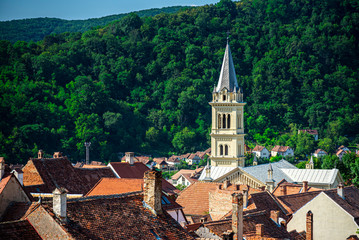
[
  {"x": 59, "y": 203},
  {"x": 19, "y": 175},
  {"x": 130, "y": 157},
  {"x": 340, "y": 190},
  {"x": 2, "y": 167},
  {"x": 40, "y": 154}
]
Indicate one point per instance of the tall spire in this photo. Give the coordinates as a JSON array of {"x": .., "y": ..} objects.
[{"x": 227, "y": 78}]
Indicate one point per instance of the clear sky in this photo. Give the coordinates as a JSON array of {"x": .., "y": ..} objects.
[{"x": 83, "y": 9}]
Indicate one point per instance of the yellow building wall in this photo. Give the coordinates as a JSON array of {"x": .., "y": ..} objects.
[{"x": 330, "y": 221}]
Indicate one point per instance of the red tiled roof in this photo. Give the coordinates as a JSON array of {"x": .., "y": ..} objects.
[
  {"x": 291, "y": 188},
  {"x": 295, "y": 201},
  {"x": 160, "y": 161},
  {"x": 208, "y": 151},
  {"x": 195, "y": 198},
  {"x": 44, "y": 175},
  {"x": 174, "y": 159},
  {"x": 258, "y": 148},
  {"x": 318, "y": 150},
  {"x": 126, "y": 170},
  {"x": 110, "y": 186},
  {"x": 250, "y": 220},
  {"x": 351, "y": 202},
  {"x": 18, "y": 230},
  {"x": 189, "y": 178},
  {"x": 118, "y": 217},
  {"x": 182, "y": 171},
  {"x": 278, "y": 148},
  {"x": 3, "y": 182}
]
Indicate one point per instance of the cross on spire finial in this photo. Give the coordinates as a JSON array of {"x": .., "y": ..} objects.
[{"x": 228, "y": 33}]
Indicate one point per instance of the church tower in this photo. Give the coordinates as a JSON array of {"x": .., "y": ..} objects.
[{"x": 227, "y": 135}]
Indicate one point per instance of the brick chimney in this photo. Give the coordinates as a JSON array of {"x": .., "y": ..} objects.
[
  {"x": 283, "y": 190},
  {"x": 59, "y": 203},
  {"x": 130, "y": 157},
  {"x": 259, "y": 230},
  {"x": 245, "y": 198},
  {"x": 305, "y": 186},
  {"x": 309, "y": 224},
  {"x": 153, "y": 191},
  {"x": 340, "y": 190},
  {"x": 2, "y": 167},
  {"x": 274, "y": 215},
  {"x": 237, "y": 216}
]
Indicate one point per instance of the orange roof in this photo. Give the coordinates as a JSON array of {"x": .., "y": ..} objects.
[
  {"x": 291, "y": 188},
  {"x": 182, "y": 171},
  {"x": 110, "y": 186},
  {"x": 195, "y": 198},
  {"x": 93, "y": 166},
  {"x": 280, "y": 148},
  {"x": 161, "y": 161},
  {"x": 318, "y": 150},
  {"x": 258, "y": 148},
  {"x": 4, "y": 181}
]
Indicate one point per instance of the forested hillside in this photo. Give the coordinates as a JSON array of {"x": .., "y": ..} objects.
[
  {"x": 35, "y": 29},
  {"x": 143, "y": 84}
]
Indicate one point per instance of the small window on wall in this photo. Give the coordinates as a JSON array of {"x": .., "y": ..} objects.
[
  {"x": 226, "y": 150},
  {"x": 224, "y": 97},
  {"x": 220, "y": 150}
]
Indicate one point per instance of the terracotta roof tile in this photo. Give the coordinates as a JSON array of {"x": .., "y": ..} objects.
[
  {"x": 295, "y": 201},
  {"x": 126, "y": 170},
  {"x": 280, "y": 148},
  {"x": 258, "y": 148},
  {"x": 109, "y": 186},
  {"x": 3, "y": 182},
  {"x": 18, "y": 230},
  {"x": 44, "y": 175},
  {"x": 195, "y": 198},
  {"x": 182, "y": 171},
  {"x": 318, "y": 150},
  {"x": 291, "y": 188},
  {"x": 118, "y": 217},
  {"x": 270, "y": 228}
]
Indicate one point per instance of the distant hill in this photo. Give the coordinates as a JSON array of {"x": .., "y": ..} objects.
[{"x": 35, "y": 29}]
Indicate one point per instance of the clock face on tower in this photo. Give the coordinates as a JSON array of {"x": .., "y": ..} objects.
[{"x": 227, "y": 135}]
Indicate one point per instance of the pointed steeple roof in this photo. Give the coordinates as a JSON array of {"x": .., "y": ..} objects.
[{"x": 227, "y": 78}]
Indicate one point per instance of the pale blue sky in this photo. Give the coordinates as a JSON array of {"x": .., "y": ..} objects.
[{"x": 83, "y": 9}]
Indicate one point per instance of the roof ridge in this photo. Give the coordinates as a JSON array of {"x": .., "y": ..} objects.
[{"x": 89, "y": 198}]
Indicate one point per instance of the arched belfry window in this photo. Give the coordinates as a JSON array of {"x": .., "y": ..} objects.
[
  {"x": 239, "y": 121},
  {"x": 226, "y": 150},
  {"x": 224, "y": 121},
  {"x": 229, "y": 121},
  {"x": 224, "y": 97},
  {"x": 219, "y": 121},
  {"x": 220, "y": 150}
]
